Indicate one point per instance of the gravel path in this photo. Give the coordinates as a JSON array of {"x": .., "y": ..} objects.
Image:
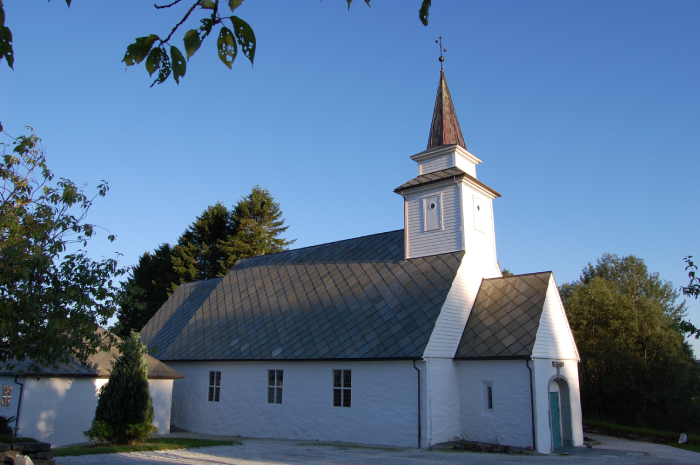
[{"x": 285, "y": 452}]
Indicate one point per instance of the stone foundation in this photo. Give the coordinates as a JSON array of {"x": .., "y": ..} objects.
[{"x": 39, "y": 452}]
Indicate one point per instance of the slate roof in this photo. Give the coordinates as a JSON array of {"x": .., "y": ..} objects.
[
  {"x": 442, "y": 175},
  {"x": 444, "y": 128},
  {"x": 99, "y": 366},
  {"x": 505, "y": 317},
  {"x": 352, "y": 299}
]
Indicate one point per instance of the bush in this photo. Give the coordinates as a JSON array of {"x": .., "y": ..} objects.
[
  {"x": 99, "y": 432},
  {"x": 5, "y": 429},
  {"x": 124, "y": 404}
]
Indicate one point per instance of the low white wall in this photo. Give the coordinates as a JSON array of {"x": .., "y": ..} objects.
[
  {"x": 543, "y": 374},
  {"x": 510, "y": 420},
  {"x": 442, "y": 393},
  {"x": 384, "y": 402},
  {"x": 58, "y": 410}
]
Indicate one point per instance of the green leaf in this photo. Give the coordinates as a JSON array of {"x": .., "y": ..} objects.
[
  {"x": 233, "y": 4},
  {"x": 245, "y": 36},
  {"x": 227, "y": 47},
  {"x": 424, "y": 12},
  {"x": 164, "y": 69},
  {"x": 208, "y": 4},
  {"x": 192, "y": 42},
  {"x": 68, "y": 3},
  {"x": 136, "y": 52},
  {"x": 153, "y": 61},
  {"x": 6, "y": 46},
  {"x": 179, "y": 64},
  {"x": 366, "y": 1}
]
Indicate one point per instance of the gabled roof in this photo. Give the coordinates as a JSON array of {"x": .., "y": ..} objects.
[
  {"x": 99, "y": 366},
  {"x": 506, "y": 315},
  {"x": 444, "y": 129},
  {"x": 352, "y": 299},
  {"x": 442, "y": 175}
]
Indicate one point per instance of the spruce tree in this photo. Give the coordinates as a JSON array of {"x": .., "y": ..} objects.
[
  {"x": 124, "y": 403},
  {"x": 208, "y": 248},
  {"x": 149, "y": 284},
  {"x": 258, "y": 223}
]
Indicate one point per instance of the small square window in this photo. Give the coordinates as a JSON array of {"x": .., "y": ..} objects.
[
  {"x": 275, "y": 380},
  {"x": 342, "y": 382},
  {"x": 214, "y": 386},
  {"x": 6, "y": 395}
]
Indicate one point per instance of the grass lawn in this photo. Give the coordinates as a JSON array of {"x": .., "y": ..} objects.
[
  {"x": 150, "y": 445},
  {"x": 630, "y": 432}
]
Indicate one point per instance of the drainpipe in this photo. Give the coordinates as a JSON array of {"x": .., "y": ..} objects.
[
  {"x": 532, "y": 404},
  {"x": 19, "y": 405},
  {"x": 419, "y": 434}
]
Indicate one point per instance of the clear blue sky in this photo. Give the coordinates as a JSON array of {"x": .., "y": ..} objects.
[{"x": 586, "y": 115}]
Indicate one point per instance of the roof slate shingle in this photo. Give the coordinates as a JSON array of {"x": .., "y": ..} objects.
[
  {"x": 442, "y": 175},
  {"x": 505, "y": 317},
  {"x": 353, "y": 299}
]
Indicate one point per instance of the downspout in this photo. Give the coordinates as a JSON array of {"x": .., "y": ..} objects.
[
  {"x": 19, "y": 405},
  {"x": 419, "y": 425},
  {"x": 532, "y": 404}
]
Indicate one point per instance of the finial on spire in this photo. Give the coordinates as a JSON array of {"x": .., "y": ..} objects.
[{"x": 442, "y": 49}]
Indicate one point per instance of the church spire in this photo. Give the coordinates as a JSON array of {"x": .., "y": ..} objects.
[{"x": 444, "y": 129}]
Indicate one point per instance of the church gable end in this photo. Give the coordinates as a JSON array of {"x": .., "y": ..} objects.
[{"x": 554, "y": 337}]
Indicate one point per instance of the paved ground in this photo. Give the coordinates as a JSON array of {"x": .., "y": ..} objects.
[{"x": 282, "y": 452}]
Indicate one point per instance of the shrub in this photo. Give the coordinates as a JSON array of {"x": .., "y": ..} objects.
[
  {"x": 99, "y": 432},
  {"x": 124, "y": 403},
  {"x": 5, "y": 429}
]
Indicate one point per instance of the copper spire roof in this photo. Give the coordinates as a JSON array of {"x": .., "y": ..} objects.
[{"x": 445, "y": 129}]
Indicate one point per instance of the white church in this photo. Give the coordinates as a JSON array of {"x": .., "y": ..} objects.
[{"x": 408, "y": 338}]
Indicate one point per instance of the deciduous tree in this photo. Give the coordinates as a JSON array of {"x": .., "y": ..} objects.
[
  {"x": 53, "y": 296},
  {"x": 636, "y": 366}
]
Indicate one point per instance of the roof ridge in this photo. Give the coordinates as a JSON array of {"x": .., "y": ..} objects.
[
  {"x": 316, "y": 245},
  {"x": 518, "y": 275}
]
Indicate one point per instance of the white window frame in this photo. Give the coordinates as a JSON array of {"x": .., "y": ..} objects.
[
  {"x": 344, "y": 389},
  {"x": 6, "y": 396},
  {"x": 214, "y": 391},
  {"x": 276, "y": 387}
]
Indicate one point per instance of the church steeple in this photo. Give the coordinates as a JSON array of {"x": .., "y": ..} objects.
[{"x": 444, "y": 130}]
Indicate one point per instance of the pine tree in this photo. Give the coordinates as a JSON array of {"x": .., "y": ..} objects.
[
  {"x": 208, "y": 248},
  {"x": 149, "y": 284},
  {"x": 124, "y": 403},
  {"x": 200, "y": 252},
  {"x": 258, "y": 225}
]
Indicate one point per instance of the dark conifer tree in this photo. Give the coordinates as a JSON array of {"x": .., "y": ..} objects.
[
  {"x": 207, "y": 249},
  {"x": 124, "y": 403}
]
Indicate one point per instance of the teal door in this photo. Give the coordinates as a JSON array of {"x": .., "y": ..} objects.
[{"x": 556, "y": 422}]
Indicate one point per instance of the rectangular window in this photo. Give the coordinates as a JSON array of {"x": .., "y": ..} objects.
[
  {"x": 6, "y": 394},
  {"x": 432, "y": 210},
  {"x": 214, "y": 385},
  {"x": 489, "y": 397},
  {"x": 274, "y": 386},
  {"x": 342, "y": 382}
]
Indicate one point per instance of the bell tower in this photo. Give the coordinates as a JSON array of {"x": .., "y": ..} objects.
[{"x": 446, "y": 208}]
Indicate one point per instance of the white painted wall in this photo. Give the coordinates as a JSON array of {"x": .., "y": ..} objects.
[
  {"x": 384, "y": 402},
  {"x": 448, "y": 239},
  {"x": 554, "y": 337},
  {"x": 58, "y": 410},
  {"x": 442, "y": 401},
  {"x": 450, "y": 324},
  {"x": 543, "y": 374},
  {"x": 510, "y": 421},
  {"x": 479, "y": 245},
  {"x": 443, "y": 157}
]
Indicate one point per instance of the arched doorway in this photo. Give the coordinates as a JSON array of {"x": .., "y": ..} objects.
[{"x": 560, "y": 412}]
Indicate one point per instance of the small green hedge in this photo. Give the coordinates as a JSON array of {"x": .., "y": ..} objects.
[
  {"x": 4, "y": 438},
  {"x": 150, "y": 445}
]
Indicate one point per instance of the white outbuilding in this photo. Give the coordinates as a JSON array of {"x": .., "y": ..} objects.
[
  {"x": 57, "y": 404},
  {"x": 408, "y": 338}
]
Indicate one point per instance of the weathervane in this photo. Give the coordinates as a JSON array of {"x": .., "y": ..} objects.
[{"x": 442, "y": 49}]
